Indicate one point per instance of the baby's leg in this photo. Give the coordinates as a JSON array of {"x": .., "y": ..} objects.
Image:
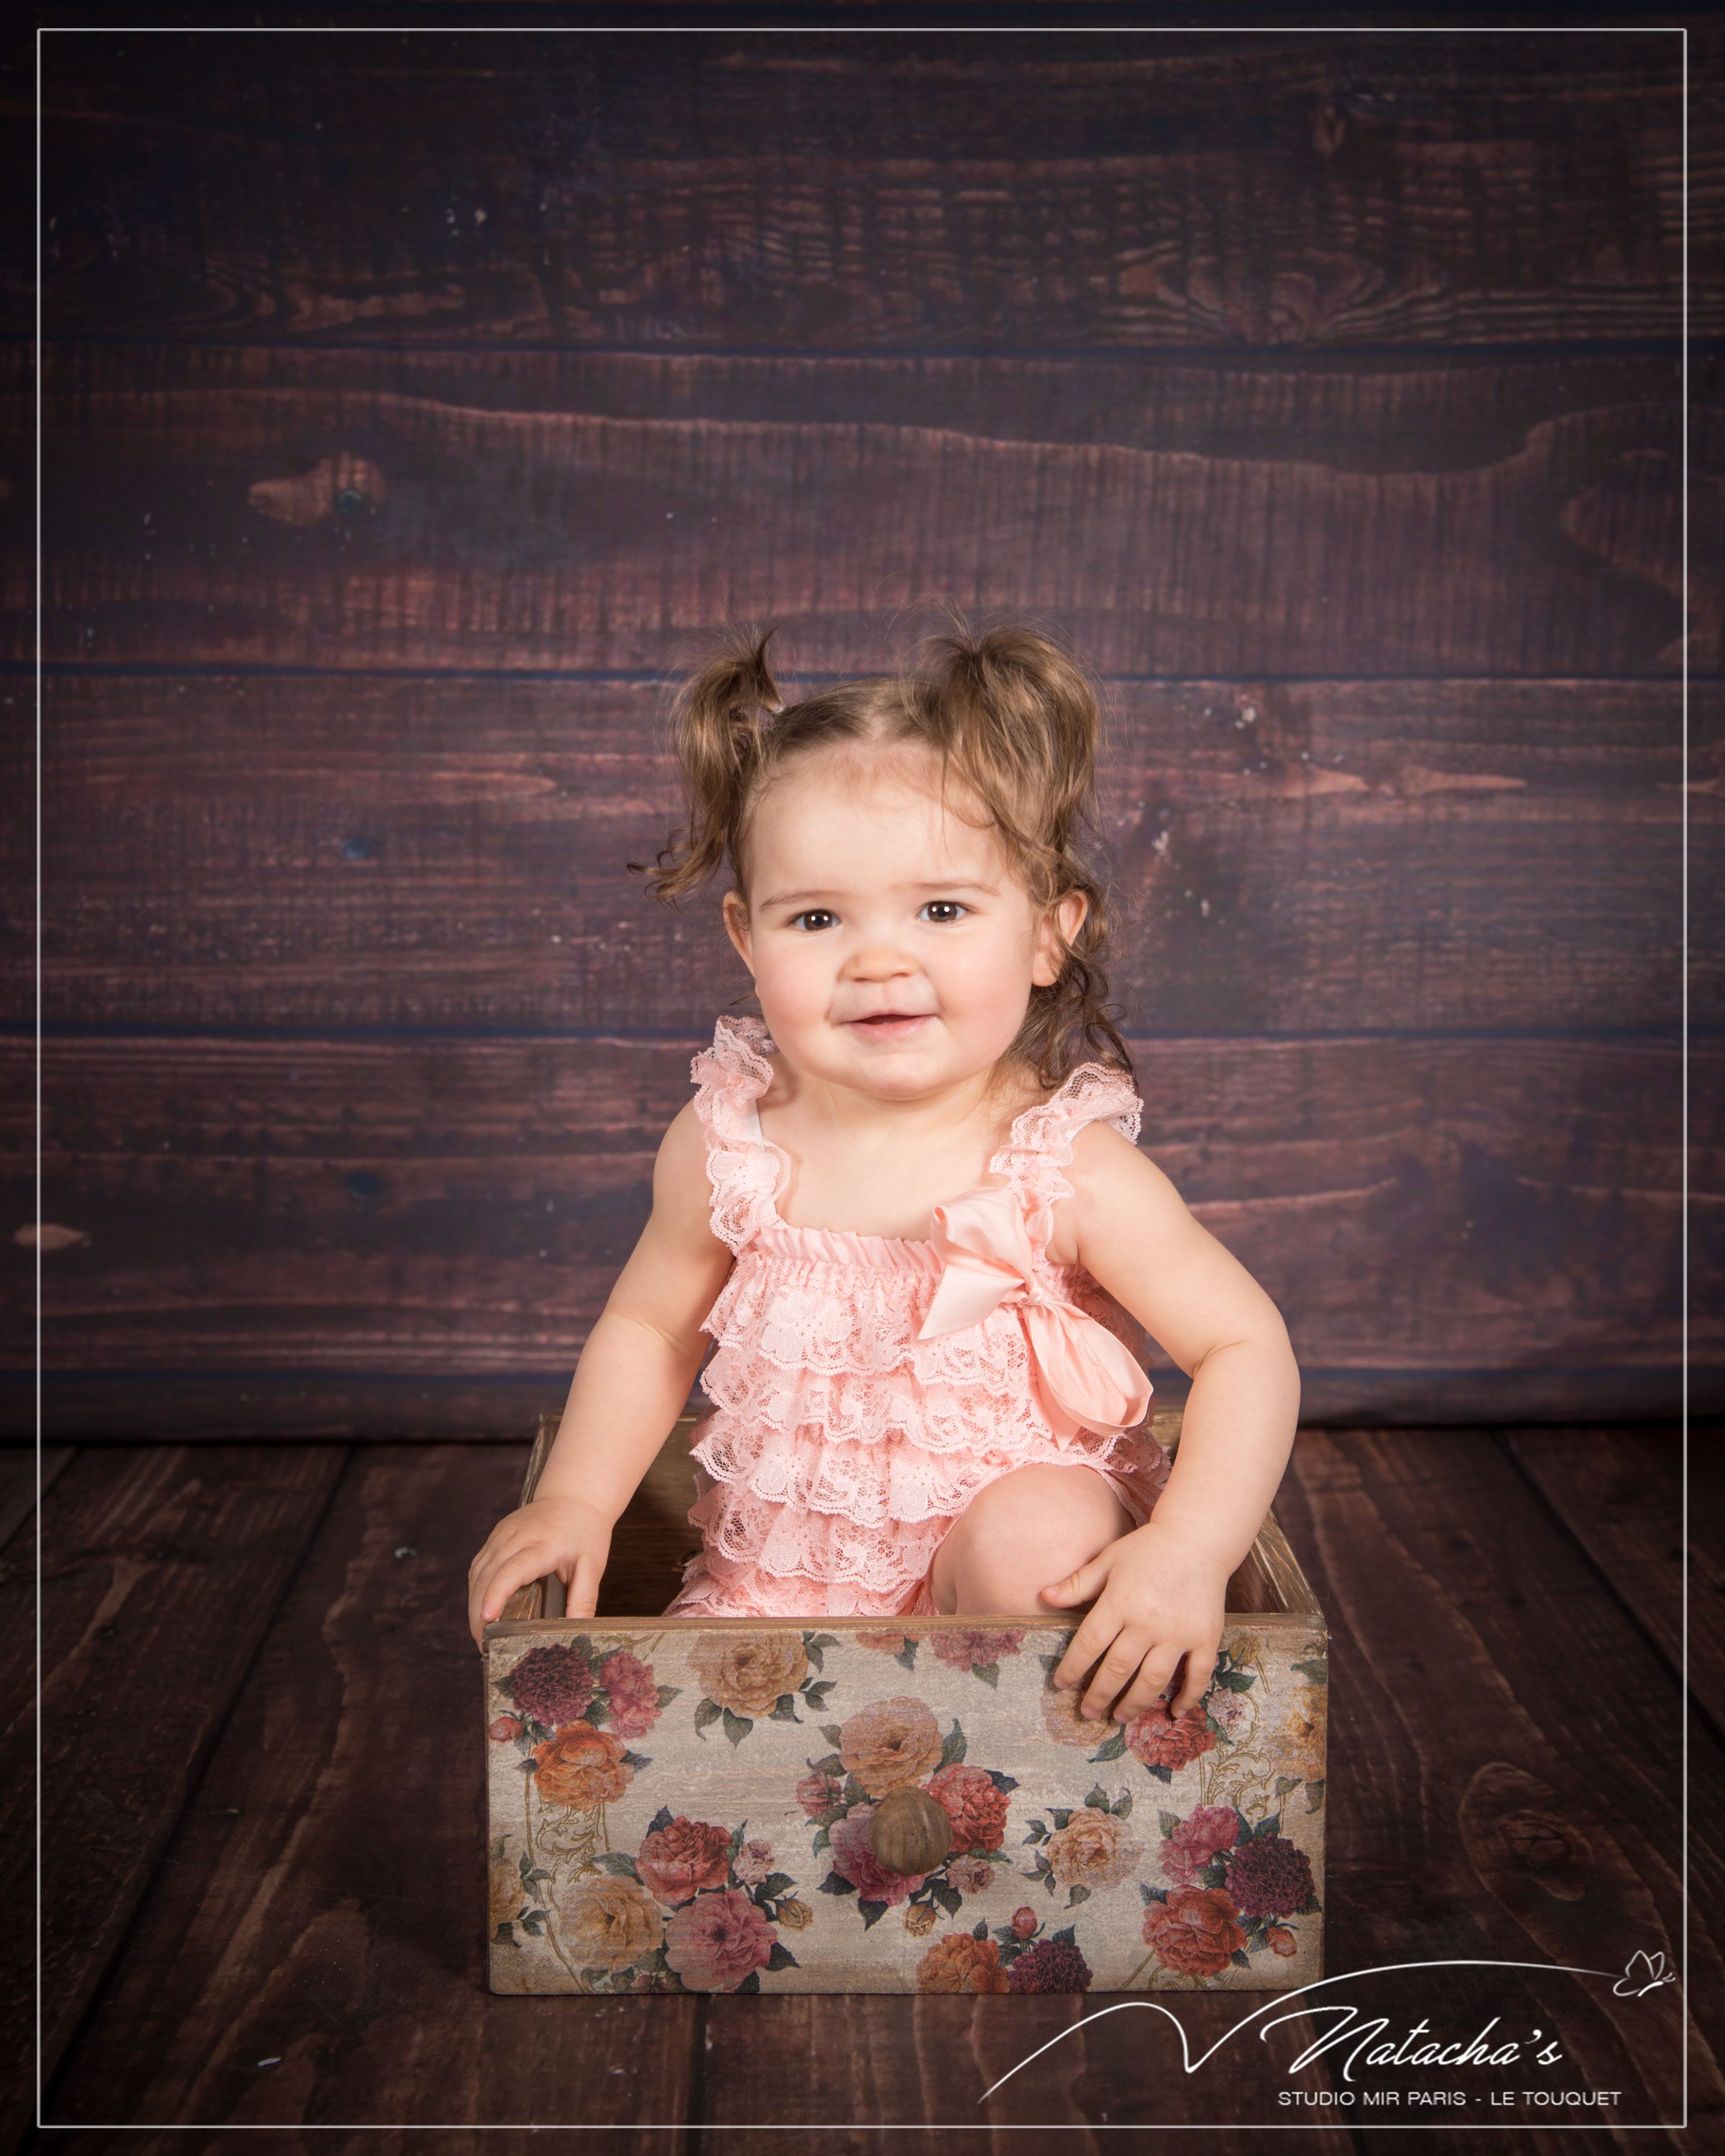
[{"x": 1024, "y": 1532}]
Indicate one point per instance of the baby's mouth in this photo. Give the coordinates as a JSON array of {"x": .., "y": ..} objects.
[{"x": 886, "y": 1022}]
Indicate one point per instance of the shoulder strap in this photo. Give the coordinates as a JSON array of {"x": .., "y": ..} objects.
[
  {"x": 745, "y": 1170},
  {"x": 1042, "y": 1139}
]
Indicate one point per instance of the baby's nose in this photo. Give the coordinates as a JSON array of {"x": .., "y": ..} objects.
[{"x": 879, "y": 957}]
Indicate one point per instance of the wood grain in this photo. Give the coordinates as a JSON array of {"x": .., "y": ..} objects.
[
  {"x": 228, "y": 506},
  {"x": 161, "y": 1572},
  {"x": 449, "y": 1209},
  {"x": 26, "y": 1474},
  {"x": 318, "y": 2139},
  {"x": 126, "y": 1405},
  {"x": 1505, "y": 1776},
  {"x": 1437, "y": 411},
  {"x": 1625, "y": 1505},
  {"x": 225, "y": 1404},
  {"x": 323, "y": 1901},
  {"x": 1300, "y": 857},
  {"x": 866, "y": 190},
  {"x": 928, "y": 2060}
]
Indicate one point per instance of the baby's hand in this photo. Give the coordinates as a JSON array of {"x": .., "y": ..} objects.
[
  {"x": 1155, "y": 1601},
  {"x": 561, "y": 1535}
]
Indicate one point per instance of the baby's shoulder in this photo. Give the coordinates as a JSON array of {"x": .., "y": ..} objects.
[
  {"x": 1101, "y": 1142},
  {"x": 682, "y": 1151},
  {"x": 683, "y": 1194},
  {"x": 1103, "y": 1156},
  {"x": 1116, "y": 1189}
]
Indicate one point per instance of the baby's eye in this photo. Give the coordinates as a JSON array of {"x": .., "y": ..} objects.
[
  {"x": 941, "y": 910},
  {"x": 815, "y": 917}
]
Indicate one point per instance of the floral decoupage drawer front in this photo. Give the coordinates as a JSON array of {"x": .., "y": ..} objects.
[{"x": 678, "y": 1806}]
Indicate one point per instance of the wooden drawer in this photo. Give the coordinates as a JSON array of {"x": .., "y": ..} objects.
[{"x": 681, "y": 1805}]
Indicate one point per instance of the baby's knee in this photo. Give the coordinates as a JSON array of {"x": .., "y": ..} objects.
[{"x": 1026, "y": 1532}]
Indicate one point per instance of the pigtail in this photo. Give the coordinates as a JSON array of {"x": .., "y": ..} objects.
[
  {"x": 1018, "y": 719},
  {"x": 1015, "y": 705},
  {"x": 717, "y": 725}
]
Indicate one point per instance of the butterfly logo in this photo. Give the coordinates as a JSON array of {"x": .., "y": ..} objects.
[{"x": 1643, "y": 1974}]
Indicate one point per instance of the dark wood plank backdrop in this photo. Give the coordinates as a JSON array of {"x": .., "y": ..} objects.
[{"x": 413, "y": 402}]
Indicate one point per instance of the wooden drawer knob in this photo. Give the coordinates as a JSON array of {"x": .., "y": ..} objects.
[{"x": 910, "y": 1833}]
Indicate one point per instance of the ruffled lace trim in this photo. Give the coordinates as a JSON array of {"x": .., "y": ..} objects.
[
  {"x": 746, "y": 1170},
  {"x": 764, "y": 1558},
  {"x": 852, "y": 1449},
  {"x": 1042, "y": 1139},
  {"x": 715, "y": 1587},
  {"x": 785, "y": 1314},
  {"x": 843, "y": 1447}
]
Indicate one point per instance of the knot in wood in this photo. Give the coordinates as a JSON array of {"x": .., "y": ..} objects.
[
  {"x": 910, "y": 1833},
  {"x": 1542, "y": 1843}
]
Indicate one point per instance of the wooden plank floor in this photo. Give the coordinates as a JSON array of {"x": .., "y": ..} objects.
[{"x": 262, "y": 1874}]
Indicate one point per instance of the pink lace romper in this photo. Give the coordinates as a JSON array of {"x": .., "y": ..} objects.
[{"x": 865, "y": 1388}]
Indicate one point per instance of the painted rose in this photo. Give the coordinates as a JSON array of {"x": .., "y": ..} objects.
[
  {"x": 1061, "y": 1719},
  {"x": 976, "y": 1807},
  {"x": 505, "y": 1728},
  {"x": 1193, "y": 1931},
  {"x": 854, "y": 1859},
  {"x": 609, "y": 1923},
  {"x": 715, "y": 1942},
  {"x": 1095, "y": 1851},
  {"x": 882, "y": 1643},
  {"x": 964, "y": 1649},
  {"x": 581, "y": 1766},
  {"x": 552, "y": 1684},
  {"x": 1269, "y": 1877},
  {"x": 795, "y": 1916},
  {"x": 1025, "y": 1923},
  {"x": 1050, "y": 1965},
  {"x": 1199, "y": 1839},
  {"x": 753, "y": 1863},
  {"x": 634, "y": 1696},
  {"x": 1300, "y": 1741},
  {"x": 970, "y": 1875},
  {"x": 818, "y": 1793},
  {"x": 682, "y": 1859},
  {"x": 1229, "y": 1710},
  {"x": 920, "y": 1920},
  {"x": 889, "y": 1743},
  {"x": 1281, "y": 1940},
  {"x": 748, "y": 1671},
  {"x": 1160, "y": 1742},
  {"x": 960, "y": 1962}
]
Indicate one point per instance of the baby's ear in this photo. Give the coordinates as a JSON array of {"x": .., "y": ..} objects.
[
  {"x": 737, "y": 927},
  {"x": 1060, "y": 925}
]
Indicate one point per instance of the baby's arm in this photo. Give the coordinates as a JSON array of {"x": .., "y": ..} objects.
[
  {"x": 630, "y": 1384},
  {"x": 1159, "y": 1592}
]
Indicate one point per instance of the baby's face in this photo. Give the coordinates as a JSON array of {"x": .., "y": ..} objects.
[{"x": 893, "y": 948}]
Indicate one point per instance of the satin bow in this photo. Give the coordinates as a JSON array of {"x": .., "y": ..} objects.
[{"x": 1085, "y": 1377}]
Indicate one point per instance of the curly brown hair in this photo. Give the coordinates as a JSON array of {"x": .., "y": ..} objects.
[{"x": 1013, "y": 717}]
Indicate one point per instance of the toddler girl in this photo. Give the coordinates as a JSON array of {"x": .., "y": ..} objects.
[{"x": 911, "y": 1219}]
